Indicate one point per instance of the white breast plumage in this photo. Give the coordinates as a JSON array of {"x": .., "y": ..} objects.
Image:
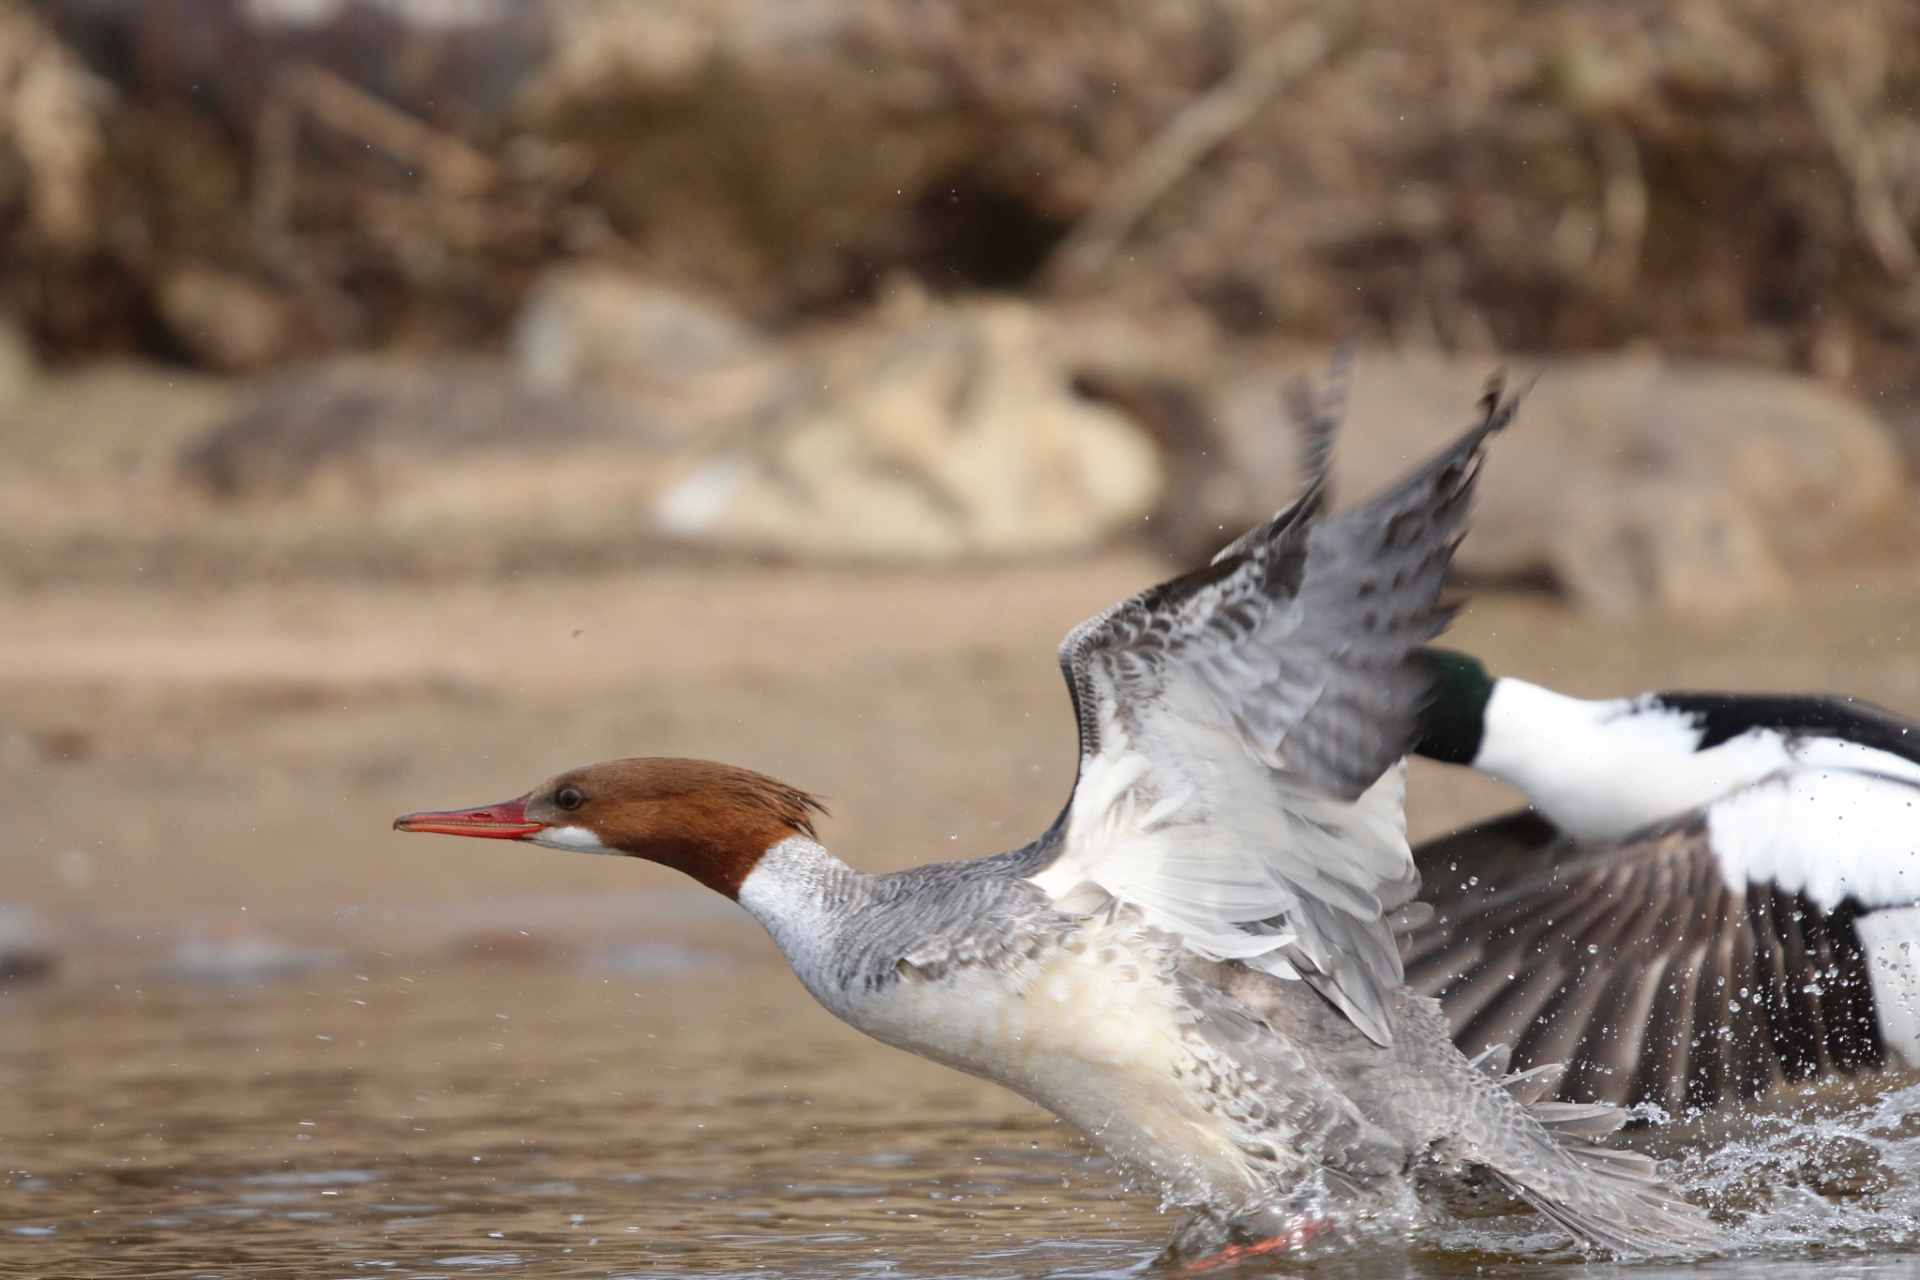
[{"x": 1094, "y": 1030}]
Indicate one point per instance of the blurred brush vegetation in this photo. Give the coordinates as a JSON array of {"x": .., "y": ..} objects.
[{"x": 239, "y": 184}]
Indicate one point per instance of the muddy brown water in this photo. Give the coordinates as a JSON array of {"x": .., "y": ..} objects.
[
  {"x": 683, "y": 1114},
  {"x": 486, "y": 1117}
]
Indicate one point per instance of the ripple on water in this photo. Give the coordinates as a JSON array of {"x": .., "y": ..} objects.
[{"x": 681, "y": 1124}]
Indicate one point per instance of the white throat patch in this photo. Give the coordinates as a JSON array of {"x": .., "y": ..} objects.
[{"x": 578, "y": 839}]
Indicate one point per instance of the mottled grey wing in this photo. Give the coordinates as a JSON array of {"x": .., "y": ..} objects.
[
  {"x": 1316, "y": 416},
  {"x": 1301, "y": 630},
  {"x": 1234, "y": 724},
  {"x": 1636, "y": 964}
]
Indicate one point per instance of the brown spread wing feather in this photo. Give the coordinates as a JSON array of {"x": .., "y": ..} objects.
[{"x": 1637, "y": 965}]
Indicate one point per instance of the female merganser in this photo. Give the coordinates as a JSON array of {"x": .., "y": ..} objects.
[
  {"x": 1712, "y": 893},
  {"x": 1193, "y": 964}
]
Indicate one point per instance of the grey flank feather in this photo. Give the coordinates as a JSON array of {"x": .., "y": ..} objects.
[
  {"x": 942, "y": 916},
  {"x": 1429, "y": 1098}
]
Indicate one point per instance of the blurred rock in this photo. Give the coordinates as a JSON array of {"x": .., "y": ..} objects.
[
  {"x": 329, "y": 425},
  {"x": 87, "y": 472},
  {"x": 682, "y": 360},
  {"x": 1629, "y": 482},
  {"x": 226, "y": 321},
  {"x": 26, "y": 952},
  {"x": 929, "y": 433},
  {"x": 427, "y": 465},
  {"x": 1205, "y": 501},
  {"x": 598, "y": 325},
  {"x": 923, "y": 432}
]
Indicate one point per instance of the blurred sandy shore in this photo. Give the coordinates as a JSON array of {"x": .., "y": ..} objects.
[{"x": 187, "y": 752}]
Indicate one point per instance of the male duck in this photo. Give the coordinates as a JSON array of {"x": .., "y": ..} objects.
[{"x": 1712, "y": 893}]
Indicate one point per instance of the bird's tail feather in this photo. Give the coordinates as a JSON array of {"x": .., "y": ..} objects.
[{"x": 1622, "y": 1202}]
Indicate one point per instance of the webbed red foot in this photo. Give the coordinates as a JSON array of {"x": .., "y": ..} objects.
[{"x": 1300, "y": 1232}]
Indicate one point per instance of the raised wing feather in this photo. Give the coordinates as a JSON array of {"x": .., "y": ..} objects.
[
  {"x": 1844, "y": 826},
  {"x": 1239, "y": 728},
  {"x": 1638, "y": 964}
]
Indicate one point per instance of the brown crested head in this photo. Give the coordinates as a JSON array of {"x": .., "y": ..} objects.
[{"x": 712, "y": 821}]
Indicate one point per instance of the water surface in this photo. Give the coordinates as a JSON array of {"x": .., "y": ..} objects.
[{"x": 468, "y": 1118}]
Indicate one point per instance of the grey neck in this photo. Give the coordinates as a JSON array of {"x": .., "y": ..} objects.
[{"x": 801, "y": 895}]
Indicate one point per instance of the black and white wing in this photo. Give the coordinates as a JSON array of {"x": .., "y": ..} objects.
[
  {"x": 1721, "y": 717},
  {"x": 1240, "y": 729},
  {"x": 1639, "y": 963}
]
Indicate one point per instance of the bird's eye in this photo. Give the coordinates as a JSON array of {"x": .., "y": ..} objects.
[{"x": 569, "y": 798}]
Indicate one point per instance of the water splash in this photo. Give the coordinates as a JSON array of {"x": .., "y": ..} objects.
[{"x": 1832, "y": 1167}]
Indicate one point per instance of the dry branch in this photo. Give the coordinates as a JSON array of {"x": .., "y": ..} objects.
[
  {"x": 1873, "y": 207},
  {"x": 448, "y": 164},
  {"x": 1623, "y": 211},
  {"x": 1187, "y": 139}
]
